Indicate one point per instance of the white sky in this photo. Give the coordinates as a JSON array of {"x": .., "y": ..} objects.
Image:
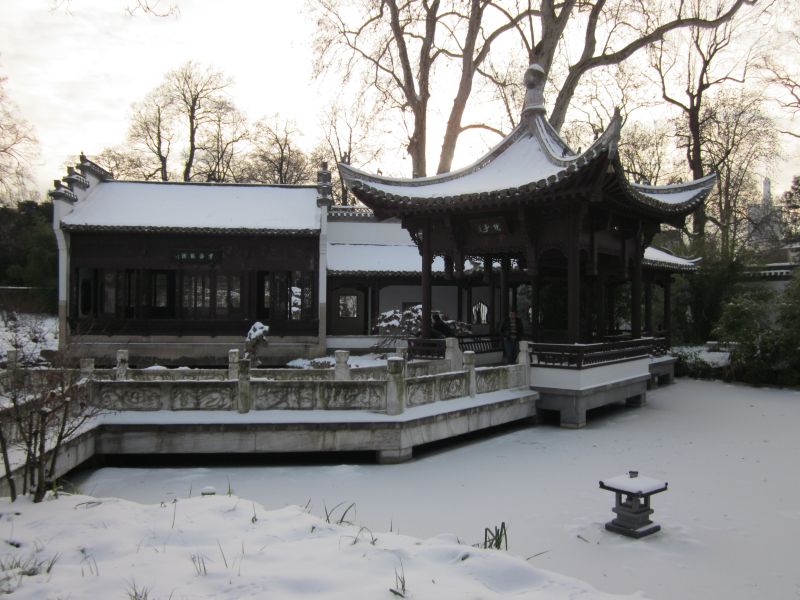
[
  {"x": 75, "y": 74},
  {"x": 74, "y": 71}
]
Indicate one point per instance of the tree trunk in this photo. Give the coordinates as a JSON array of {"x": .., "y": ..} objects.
[{"x": 12, "y": 485}]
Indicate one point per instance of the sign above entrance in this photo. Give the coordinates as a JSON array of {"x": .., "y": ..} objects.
[
  {"x": 198, "y": 256},
  {"x": 490, "y": 226}
]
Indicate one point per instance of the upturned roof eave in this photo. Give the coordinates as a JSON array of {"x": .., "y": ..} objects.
[
  {"x": 386, "y": 204},
  {"x": 536, "y": 125},
  {"x": 642, "y": 195}
]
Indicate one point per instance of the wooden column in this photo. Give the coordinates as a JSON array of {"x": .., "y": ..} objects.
[
  {"x": 488, "y": 277},
  {"x": 505, "y": 266},
  {"x": 427, "y": 259},
  {"x": 460, "y": 304},
  {"x": 668, "y": 309},
  {"x": 514, "y": 293},
  {"x": 535, "y": 307},
  {"x": 574, "y": 276},
  {"x": 648, "y": 308},
  {"x": 610, "y": 306},
  {"x": 636, "y": 290},
  {"x": 601, "y": 314},
  {"x": 469, "y": 303},
  {"x": 492, "y": 307}
]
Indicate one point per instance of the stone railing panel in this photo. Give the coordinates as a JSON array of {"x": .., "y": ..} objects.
[
  {"x": 165, "y": 395},
  {"x": 177, "y": 374},
  {"x": 293, "y": 374},
  {"x": 202, "y": 395},
  {"x": 516, "y": 376},
  {"x": 491, "y": 379},
  {"x": 427, "y": 367},
  {"x": 131, "y": 395},
  {"x": 420, "y": 390},
  {"x": 291, "y": 395},
  {"x": 452, "y": 385},
  {"x": 368, "y": 373},
  {"x": 353, "y": 395}
]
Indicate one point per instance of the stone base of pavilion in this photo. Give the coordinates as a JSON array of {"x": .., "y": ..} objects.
[
  {"x": 572, "y": 392},
  {"x": 662, "y": 371},
  {"x": 391, "y": 437}
]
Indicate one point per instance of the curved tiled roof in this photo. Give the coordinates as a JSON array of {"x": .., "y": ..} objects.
[{"x": 533, "y": 163}]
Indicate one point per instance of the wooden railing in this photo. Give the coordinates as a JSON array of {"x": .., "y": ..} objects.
[
  {"x": 422, "y": 348},
  {"x": 578, "y": 356},
  {"x": 435, "y": 347},
  {"x": 481, "y": 344}
]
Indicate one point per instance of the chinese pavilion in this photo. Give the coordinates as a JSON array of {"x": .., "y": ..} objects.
[{"x": 572, "y": 223}]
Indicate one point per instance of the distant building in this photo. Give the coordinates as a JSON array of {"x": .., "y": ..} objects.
[{"x": 765, "y": 224}]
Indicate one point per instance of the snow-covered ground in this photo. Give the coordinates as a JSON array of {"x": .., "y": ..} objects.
[
  {"x": 730, "y": 518},
  {"x": 228, "y": 547},
  {"x": 355, "y": 360},
  {"x": 713, "y": 358}
]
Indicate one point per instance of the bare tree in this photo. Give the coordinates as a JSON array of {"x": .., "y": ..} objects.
[
  {"x": 785, "y": 76},
  {"x": 276, "y": 157},
  {"x": 350, "y": 136},
  {"x": 396, "y": 47},
  {"x": 739, "y": 141},
  {"x": 646, "y": 153},
  {"x": 128, "y": 163},
  {"x": 187, "y": 120},
  {"x": 40, "y": 409},
  {"x": 152, "y": 129},
  {"x": 18, "y": 147},
  {"x": 686, "y": 75},
  {"x": 221, "y": 150},
  {"x": 198, "y": 94},
  {"x": 615, "y": 30}
]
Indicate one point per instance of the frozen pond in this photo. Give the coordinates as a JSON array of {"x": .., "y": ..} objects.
[{"x": 730, "y": 518}]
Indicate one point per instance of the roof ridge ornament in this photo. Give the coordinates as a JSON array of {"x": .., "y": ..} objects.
[{"x": 535, "y": 78}]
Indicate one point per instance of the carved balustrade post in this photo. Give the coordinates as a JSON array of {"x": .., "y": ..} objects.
[
  {"x": 87, "y": 367},
  {"x": 452, "y": 353},
  {"x": 244, "y": 398},
  {"x": 121, "y": 372},
  {"x": 401, "y": 349},
  {"x": 469, "y": 365},
  {"x": 341, "y": 371},
  {"x": 524, "y": 359},
  {"x": 395, "y": 386},
  {"x": 233, "y": 364}
]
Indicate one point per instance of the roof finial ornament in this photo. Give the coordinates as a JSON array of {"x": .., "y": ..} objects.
[{"x": 535, "y": 78}]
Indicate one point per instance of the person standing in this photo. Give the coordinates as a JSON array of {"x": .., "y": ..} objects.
[
  {"x": 511, "y": 330},
  {"x": 439, "y": 328}
]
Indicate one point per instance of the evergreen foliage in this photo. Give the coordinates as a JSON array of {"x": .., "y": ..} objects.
[
  {"x": 763, "y": 333},
  {"x": 28, "y": 253}
]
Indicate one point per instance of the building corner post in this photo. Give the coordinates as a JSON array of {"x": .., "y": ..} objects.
[{"x": 324, "y": 202}]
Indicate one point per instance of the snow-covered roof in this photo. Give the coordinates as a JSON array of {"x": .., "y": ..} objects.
[
  {"x": 653, "y": 257},
  {"x": 206, "y": 207},
  {"x": 526, "y": 155},
  {"x": 532, "y": 164},
  {"x": 377, "y": 258}
]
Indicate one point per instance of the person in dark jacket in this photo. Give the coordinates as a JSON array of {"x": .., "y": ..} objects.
[
  {"x": 511, "y": 330},
  {"x": 440, "y": 329}
]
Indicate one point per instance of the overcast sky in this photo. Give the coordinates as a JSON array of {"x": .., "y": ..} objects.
[
  {"x": 75, "y": 72},
  {"x": 75, "y": 69}
]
